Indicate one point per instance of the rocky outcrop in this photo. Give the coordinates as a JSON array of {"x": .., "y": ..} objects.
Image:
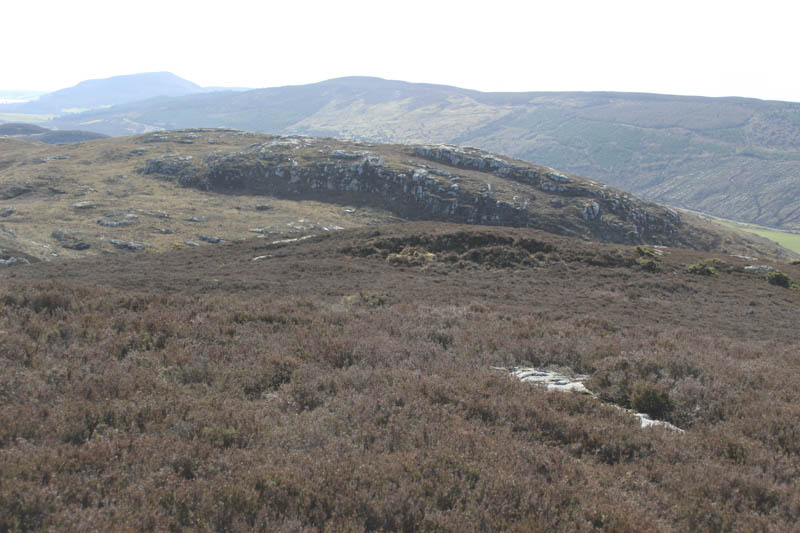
[
  {"x": 13, "y": 260},
  {"x": 71, "y": 240},
  {"x": 169, "y": 165},
  {"x": 303, "y": 167}
]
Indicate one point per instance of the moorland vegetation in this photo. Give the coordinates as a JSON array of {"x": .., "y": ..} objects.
[{"x": 353, "y": 381}]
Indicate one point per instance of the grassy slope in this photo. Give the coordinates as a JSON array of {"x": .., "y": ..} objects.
[
  {"x": 790, "y": 241},
  {"x": 105, "y": 174},
  {"x": 325, "y": 387}
]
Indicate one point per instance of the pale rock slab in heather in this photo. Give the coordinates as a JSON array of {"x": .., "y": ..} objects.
[{"x": 561, "y": 382}]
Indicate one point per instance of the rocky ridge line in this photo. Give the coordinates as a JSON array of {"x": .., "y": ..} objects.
[{"x": 296, "y": 166}]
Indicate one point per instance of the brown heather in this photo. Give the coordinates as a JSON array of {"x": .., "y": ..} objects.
[{"x": 344, "y": 383}]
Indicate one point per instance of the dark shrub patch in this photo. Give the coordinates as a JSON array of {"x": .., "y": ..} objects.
[
  {"x": 776, "y": 277},
  {"x": 651, "y": 400}
]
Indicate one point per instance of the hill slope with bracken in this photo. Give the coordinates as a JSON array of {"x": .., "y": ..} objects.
[
  {"x": 180, "y": 188},
  {"x": 736, "y": 158},
  {"x": 361, "y": 380}
]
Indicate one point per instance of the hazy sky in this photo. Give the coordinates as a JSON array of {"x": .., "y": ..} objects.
[{"x": 704, "y": 47}]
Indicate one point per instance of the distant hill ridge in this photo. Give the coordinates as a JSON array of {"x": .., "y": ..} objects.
[
  {"x": 91, "y": 94},
  {"x": 736, "y": 158},
  {"x": 31, "y": 132}
]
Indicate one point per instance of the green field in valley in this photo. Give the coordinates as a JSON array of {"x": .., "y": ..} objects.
[{"x": 790, "y": 241}]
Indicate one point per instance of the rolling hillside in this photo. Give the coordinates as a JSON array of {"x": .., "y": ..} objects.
[
  {"x": 735, "y": 158},
  {"x": 182, "y": 188},
  {"x": 91, "y": 94}
]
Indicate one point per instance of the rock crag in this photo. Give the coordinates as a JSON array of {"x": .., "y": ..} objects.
[{"x": 445, "y": 183}]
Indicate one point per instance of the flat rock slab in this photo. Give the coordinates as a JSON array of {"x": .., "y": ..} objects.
[
  {"x": 564, "y": 383},
  {"x": 552, "y": 380}
]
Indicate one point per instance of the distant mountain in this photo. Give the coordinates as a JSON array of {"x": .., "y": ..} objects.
[
  {"x": 31, "y": 132},
  {"x": 92, "y": 94},
  {"x": 736, "y": 158}
]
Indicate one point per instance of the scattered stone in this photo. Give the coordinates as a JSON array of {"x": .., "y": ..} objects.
[
  {"x": 71, "y": 240},
  {"x": 191, "y": 243},
  {"x": 83, "y": 191},
  {"x": 6, "y": 212},
  {"x": 115, "y": 223},
  {"x": 750, "y": 312},
  {"x": 84, "y": 205},
  {"x": 157, "y": 214},
  {"x": 263, "y": 207},
  {"x": 163, "y": 231},
  {"x": 55, "y": 190},
  {"x": 195, "y": 219},
  {"x": 128, "y": 245},
  {"x": 11, "y": 261},
  {"x": 16, "y": 191},
  {"x": 79, "y": 245},
  {"x": 287, "y": 241},
  {"x": 138, "y": 151},
  {"x": 760, "y": 268},
  {"x": 209, "y": 238},
  {"x": 65, "y": 236}
]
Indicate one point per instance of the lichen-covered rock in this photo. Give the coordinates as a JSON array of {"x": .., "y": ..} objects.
[
  {"x": 13, "y": 260},
  {"x": 170, "y": 166},
  {"x": 128, "y": 245},
  {"x": 591, "y": 211}
]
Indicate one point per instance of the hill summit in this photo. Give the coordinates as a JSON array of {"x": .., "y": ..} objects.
[
  {"x": 183, "y": 187},
  {"x": 106, "y": 92}
]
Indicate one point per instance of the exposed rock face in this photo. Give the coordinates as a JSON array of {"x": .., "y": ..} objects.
[
  {"x": 72, "y": 240},
  {"x": 12, "y": 260},
  {"x": 293, "y": 167},
  {"x": 169, "y": 165},
  {"x": 591, "y": 211}
]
